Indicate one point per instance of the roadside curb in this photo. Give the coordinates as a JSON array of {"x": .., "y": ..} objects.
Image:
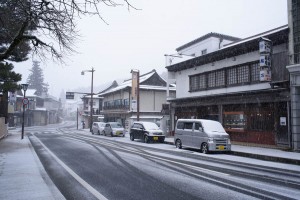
[
  {"x": 266, "y": 157},
  {"x": 258, "y": 156}
]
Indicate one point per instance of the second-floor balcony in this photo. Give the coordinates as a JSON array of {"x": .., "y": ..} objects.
[{"x": 116, "y": 107}]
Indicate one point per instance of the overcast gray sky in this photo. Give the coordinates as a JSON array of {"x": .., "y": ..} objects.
[{"x": 138, "y": 39}]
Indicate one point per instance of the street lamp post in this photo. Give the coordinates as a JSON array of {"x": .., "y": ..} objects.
[
  {"x": 171, "y": 57},
  {"x": 91, "y": 112},
  {"x": 25, "y": 102}
]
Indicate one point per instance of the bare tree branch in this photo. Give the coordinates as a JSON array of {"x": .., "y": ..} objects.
[{"x": 54, "y": 19}]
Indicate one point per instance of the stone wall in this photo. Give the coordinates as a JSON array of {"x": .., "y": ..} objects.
[{"x": 3, "y": 128}]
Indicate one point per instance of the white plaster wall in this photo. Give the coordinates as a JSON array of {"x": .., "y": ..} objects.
[
  {"x": 114, "y": 96},
  {"x": 146, "y": 101},
  {"x": 160, "y": 98},
  {"x": 182, "y": 77},
  {"x": 211, "y": 44},
  {"x": 3, "y": 127},
  {"x": 152, "y": 100}
]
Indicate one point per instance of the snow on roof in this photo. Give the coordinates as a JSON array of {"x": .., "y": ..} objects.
[
  {"x": 41, "y": 109},
  {"x": 128, "y": 83},
  {"x": 147, "y": 117},
  {"x": 30, "y": 93},
  {"x": 95, "y": 96},
  {"x": 255, "y": 37},
  {"x": 204, "y": 37}
]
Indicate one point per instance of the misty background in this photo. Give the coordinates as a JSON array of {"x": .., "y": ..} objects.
[{"x": 138, "y": 39}]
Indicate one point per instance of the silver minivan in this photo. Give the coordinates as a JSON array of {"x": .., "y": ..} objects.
[
  {"x": 114, "y": 129},
  {"x": 206, "y": 135}
]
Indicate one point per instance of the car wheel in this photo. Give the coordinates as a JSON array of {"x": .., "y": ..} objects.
[
  {"x": 92, "y": 132},
  {"x": 146, "y": 139},
  {"x": 204, "y": 148},
  {"x": 98, "y": 132},
  {"x": 111, "y": 134},
  {"x": 102, "y": 132},
  {"x": 131, "y": 137},
  {"x": 178, "y": 144}
]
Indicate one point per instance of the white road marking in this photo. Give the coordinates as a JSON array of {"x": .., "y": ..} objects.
[{"x": 72, "y": 173}]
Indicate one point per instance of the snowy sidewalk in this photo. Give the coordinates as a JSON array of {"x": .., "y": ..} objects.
[{"x": 22, "y": 176}]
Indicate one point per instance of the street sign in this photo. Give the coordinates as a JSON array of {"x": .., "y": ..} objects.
[
  {"x": 69, "y": 95},
  {"x": 25, "y": 101}
]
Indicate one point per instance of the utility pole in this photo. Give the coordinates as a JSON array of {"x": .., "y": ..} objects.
[{"x": 92, "y": 82}]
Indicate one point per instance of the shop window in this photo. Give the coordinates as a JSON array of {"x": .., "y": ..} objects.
[
  {"x": 212, "y": 79},
  {"x": 194, "y": 82},
  {"x": 202, "y": 81},
  {"x": 261, "y": 121},
  {"x": 231, "y": 76},
  {"x": 198, "y": 82},
  {"x": 235, "y": 121},
  {"x": 243, "y": 74},
  {"x": 126, "y": 102},
  {"x": 220, "y": 78},
  {"x": 255, "y": 69}
]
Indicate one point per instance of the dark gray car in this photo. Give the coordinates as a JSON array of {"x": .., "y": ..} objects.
[{"x": 146, "y": 131}]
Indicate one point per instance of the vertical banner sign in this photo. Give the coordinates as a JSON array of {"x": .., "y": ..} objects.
[
  {"x": 265, "y": 59},
  {"x": 12, "y": 97},
  {"x": 134, "y": 90}
]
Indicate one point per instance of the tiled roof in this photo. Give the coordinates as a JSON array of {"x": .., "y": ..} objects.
[{"x": 127, "y": 84}]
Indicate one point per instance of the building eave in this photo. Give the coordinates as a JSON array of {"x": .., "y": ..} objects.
[
  {"x": 277, "y": 36},
  {"x": 204, "y": 37}
]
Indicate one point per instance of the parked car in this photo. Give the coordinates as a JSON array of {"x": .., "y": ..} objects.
[
  {"x": 114, "y": 129},
  {"x": 146, "y": 131},
  {"x": 206, "y": 135},
  {"x": 98, "y": 127}
]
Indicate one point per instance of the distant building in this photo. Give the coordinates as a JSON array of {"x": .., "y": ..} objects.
[
  {"x": 118, "y": 104},
  {"x": 85, "y": 113},
  {"x": 40, "y": 110}
]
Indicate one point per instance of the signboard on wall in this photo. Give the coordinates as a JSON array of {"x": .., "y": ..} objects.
[
  {"x": 12, "y": 97},
  {"x": 265, "y": 45},
  {"x": 265, "y": 58},
  {"x": 133, "y": 104},
  {"x": 265, "y": 61},
  {"x": 265, "y": 75},
  {"x": 134, "y": 89},
  {"x": 282, "y": 121}
]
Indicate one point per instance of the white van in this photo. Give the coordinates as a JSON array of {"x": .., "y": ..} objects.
[{"x": 206, "y": 135}]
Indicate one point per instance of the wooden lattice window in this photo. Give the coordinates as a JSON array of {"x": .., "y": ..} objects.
[
  {"x": 243, "y": 74},
  {"x": 231, "y": 76}
]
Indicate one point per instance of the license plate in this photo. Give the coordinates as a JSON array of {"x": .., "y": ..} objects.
[
  {"x": 221, "y": 147},
  {"x": 118, "y": 133},
  {"x": 155, "y": 138}
]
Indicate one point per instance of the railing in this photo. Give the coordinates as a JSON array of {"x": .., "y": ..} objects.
[{"x": 121, "y": 107}]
